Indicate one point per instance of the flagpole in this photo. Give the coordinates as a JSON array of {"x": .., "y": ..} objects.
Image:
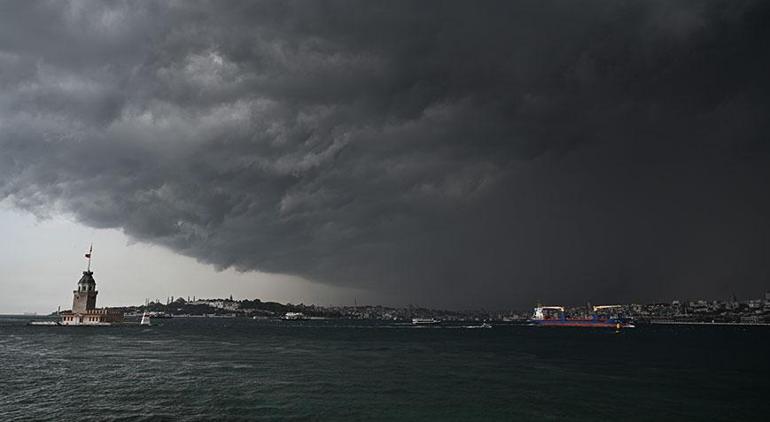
[{"x": 90, "y": 252}]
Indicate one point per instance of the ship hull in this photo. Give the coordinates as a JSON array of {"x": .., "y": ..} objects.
[{"x": 582, "y": 323}]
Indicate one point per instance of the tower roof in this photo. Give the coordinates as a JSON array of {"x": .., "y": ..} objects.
[{"x": 87, "y": 278}]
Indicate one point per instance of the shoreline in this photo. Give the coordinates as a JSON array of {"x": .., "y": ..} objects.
[{"x": 749, "y": 324}]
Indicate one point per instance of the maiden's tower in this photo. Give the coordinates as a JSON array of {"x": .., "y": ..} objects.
[{"x": 84, "y": 310}]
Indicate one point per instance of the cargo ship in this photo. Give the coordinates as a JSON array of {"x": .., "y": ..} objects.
[{"x": 554, "y": 316}]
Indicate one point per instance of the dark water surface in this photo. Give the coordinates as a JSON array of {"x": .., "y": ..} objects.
[{"x": 203, "y": 369}]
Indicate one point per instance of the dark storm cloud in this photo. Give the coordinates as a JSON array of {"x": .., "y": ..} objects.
[{"x": 437, "y": 152}]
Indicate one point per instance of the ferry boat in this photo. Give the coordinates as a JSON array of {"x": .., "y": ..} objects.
[
  {"x": 554, "y": 316},
  {"x": 425, "y": 321},
  {"x": 295, "y": 316}
]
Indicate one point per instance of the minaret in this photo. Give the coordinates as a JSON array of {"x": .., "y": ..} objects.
[{"x": 84, "y": 298}]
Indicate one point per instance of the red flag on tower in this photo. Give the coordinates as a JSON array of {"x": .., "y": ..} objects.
[{"x": 91, "y": 249}]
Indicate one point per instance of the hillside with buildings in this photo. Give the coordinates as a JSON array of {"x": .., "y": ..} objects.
[{"x": 698, "y": 311}]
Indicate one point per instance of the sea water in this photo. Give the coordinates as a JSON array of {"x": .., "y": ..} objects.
[{"x": 243, "y": 369}]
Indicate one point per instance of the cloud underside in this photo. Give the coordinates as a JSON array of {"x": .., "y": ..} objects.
[{"x": 436, "y": 152}]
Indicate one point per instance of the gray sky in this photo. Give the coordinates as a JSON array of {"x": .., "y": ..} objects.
[{"x": 436, "y": 152}]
